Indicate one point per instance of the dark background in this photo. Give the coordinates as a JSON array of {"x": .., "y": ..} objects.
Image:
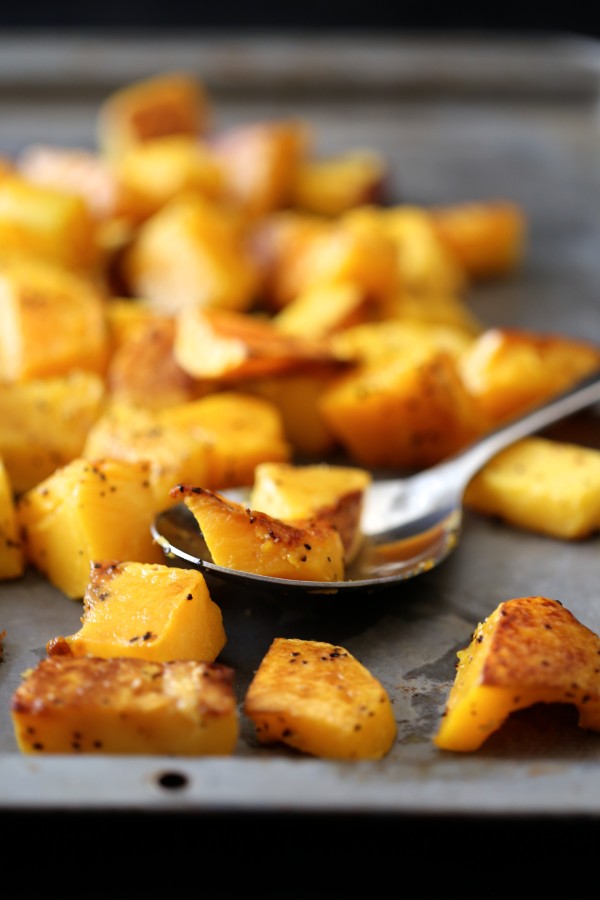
[{"x": 237, "y": 15}]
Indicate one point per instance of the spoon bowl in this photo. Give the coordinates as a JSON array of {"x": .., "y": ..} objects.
[{"x": 409, "y": 525}]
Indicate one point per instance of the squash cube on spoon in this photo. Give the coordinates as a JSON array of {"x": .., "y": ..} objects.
[
  {"x": 323, "y": 492},
  {"x": 246, "y": 540}
]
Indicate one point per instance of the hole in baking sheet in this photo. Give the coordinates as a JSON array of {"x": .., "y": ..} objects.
[{"x": 173, "y": 780}]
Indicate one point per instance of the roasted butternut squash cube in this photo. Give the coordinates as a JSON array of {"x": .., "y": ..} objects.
[
  {"x": 190, "y": 251},
  {"x": 247, "y": 540},
  {"x": 44, "y": 423},
  {"x": 128, "y": 706},
  {"x": 148, "y": 611},
  {"x": 320, "y": 700},
  {"x": 279, "y": 244},
  {"x": 321, "y": 491},
  {"x": 432, "y": 308},
  {"x": 297, "y": 395},
  {"x": 373, "y": 341},
  {"x": 529, "y": 650},
  {"x": 173, "y": 452},
  {"x": 79, "y": 171},
  {"x": 163, "y": 168},
  {"x": 172, "y": 103},
  {"x": 233, "y": 346},
  {"x": 510, "y": 370},
  {"x": 12, "y": 556},
  {"x": 350, "y": 249},
  {"x": 424, "y": 264},
  {"x": 259, "y": 163},
  {"x": 323, "y": 311},
  {"x": 333, "y": 185},
  {"x": 47, "y": 224},
  {"x": 405, "y": 411},
  {"x": 51, "y": 321},
  {"x": 142, "y": 370},
  {"x": 237, "y": 430},
  {"x": 488, "y": 239},
  {"x": 550, "y": 487},
  {"x": 126, "y": 316},
  {"x": 88, "y": 510}
]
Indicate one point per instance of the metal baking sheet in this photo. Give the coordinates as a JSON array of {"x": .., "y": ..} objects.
[{"x": 459, "y": 120}]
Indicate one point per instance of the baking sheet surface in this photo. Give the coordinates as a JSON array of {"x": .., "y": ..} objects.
[{"x": 448, "y": 140}]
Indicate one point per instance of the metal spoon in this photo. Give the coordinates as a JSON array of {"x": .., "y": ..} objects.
[{"x": 409, "y": 524}]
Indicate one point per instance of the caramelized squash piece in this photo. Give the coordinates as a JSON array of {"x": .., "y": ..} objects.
[
  {"x": 297, "y": 396},
  {"x": 332, "y": 185},
  {"x": 142, "y": 369},
  {"x": 75, "y": 170},
  {"x": 237, "y": 430},
  {"x": 160, "y": 169},
  {"x": 147, "y": 611},
  {"x": 46, "y": 224},
  {"x": 407, "y": 410},
  {"x": 509, "y": 370},
  {"x": 190, "y": 251},
  {"x": 51, "y": 322},
  {"x": 44, "y": 423},
  {"x": 251, "y": 541},
  {"x": 172, "y": 452},
  {"x": 94, "y": 705},
  {"x": 173, "y": 103},
  {"x": 488, "y": 239},
  {"x": 233, "y": 346},
  {"x": 259, "y": 163},
  {"x": 529, "y": 650},
  {"x": 319, "y": 699},
  {"x": 324, "y": 310}
]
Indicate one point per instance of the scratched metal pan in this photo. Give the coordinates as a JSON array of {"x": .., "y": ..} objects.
[{"x": 458, "y": 120}]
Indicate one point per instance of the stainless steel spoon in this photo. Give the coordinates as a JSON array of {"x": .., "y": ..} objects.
[{"x": 409, "y": 524}]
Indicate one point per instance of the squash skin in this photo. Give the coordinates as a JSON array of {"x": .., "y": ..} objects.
[
  {"x": 147, "y": 611},
  {"x": 318, "y": 699},
  {"x": 529, "y": 650},
  {"x": 251, "y": 541}
]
